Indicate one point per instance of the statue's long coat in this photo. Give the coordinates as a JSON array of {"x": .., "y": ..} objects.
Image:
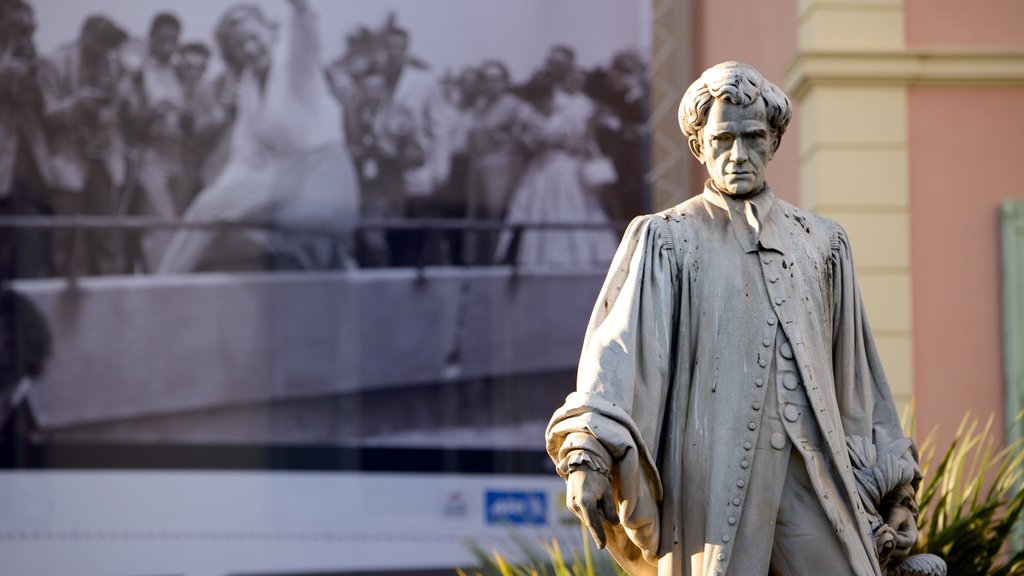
[{"x": 669, "y": 365}]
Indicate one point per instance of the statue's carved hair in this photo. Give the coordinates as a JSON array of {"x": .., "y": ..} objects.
[{"x": 736, "y": 83}]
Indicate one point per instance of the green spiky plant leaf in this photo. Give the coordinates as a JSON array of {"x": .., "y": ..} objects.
[
  {"x": 544, "y": 560},
  {"x": 971, "y": 500}
]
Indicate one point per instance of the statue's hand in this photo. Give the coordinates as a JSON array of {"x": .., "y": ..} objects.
[
  {"x": 590, "y": 497},
  {"x": 901, "y": 518}
]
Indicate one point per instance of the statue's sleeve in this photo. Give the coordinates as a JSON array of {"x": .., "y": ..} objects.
[
  {"x": 616, "y": 412},
  {"x": 865, "y": 400}
]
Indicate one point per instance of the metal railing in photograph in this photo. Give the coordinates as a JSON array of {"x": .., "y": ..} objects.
[{"x": 430, "y": 226}]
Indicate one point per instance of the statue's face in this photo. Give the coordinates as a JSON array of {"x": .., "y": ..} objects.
[{"x": 736, "y": 145}]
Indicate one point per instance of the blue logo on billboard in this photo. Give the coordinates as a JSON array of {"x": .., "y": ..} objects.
[{"x": 516, "y": 507}]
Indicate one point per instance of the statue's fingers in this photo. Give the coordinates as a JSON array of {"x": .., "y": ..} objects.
[
  {"x": 595, "y": 522},
  {"x": 608, "y": 509},
  {"x": 905, "y": 538}
]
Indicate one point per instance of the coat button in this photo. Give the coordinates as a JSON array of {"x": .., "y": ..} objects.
[
  {"x": 786, "y": 350},
  {"x": 791, "y": 413},
  {"x": 778, "y": 441},
  {"x": 759, "y": 382},
  {"x": 766, "y": 342},
  {"x": 779, "y": 300},
  {"x": 790, "y": 381},
  {"x": 751, "y": 426},
  {"x": 732, "y": 520},
  {"x": 740, "y": 483},
  {"x": 762, "y": 363},
  {"x": 725, "y": 538},
  {"x": 744, "y": 464},
  {"x": 756, "y": 405},
  {"x": 771, "y": 321},
  {"x": 735, "y": 501},
  {"x": 721, "y": 556},
  {"x": 767, "y": 260},
  {"x": 773, "y": 279},
  {"x": 747, "y": 446}
]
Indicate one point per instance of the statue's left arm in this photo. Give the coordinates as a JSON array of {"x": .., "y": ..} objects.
[
  {"x": 862, "y": 390},
  {"x": 884, "y": 459}
]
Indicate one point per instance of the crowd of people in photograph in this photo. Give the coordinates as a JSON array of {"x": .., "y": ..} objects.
[{"x": 534, "y": 172}]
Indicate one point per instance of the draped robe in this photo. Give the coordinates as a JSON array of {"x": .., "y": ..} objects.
[{"x": 667, "y": 375}]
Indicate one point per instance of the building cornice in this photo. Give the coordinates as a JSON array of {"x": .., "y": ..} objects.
[{"x": 923, "y": 67}]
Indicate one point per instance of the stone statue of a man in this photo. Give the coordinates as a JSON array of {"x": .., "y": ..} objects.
[{"x": 731, "y": 414}]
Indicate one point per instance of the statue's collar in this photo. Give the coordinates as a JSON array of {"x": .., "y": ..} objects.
[{"x": 752, "y": 224}]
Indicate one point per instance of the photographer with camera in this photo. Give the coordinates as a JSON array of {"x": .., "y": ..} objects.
[
  {"x": 155, "y": 118},
  {"x": 23, "y": 149},
  {"x": 81, "y": 84}
]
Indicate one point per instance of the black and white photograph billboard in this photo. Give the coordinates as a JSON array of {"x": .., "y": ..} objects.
[{"x": 291, "y": 236}]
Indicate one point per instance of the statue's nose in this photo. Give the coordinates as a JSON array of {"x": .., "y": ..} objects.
[{"x": 738, "y": 153}]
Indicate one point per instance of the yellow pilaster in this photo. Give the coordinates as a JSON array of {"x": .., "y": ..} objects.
[{"x": 853, "y": 162}]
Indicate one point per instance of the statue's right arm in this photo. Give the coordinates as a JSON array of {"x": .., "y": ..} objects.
[{"x": 614, "y": 418}]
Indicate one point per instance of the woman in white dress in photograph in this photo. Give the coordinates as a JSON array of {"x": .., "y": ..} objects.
[
  {"x": 552, "y": 190},
  {"x": 287, "y": 166}
]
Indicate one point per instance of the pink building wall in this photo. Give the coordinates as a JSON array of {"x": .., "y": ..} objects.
[
  {"x": 948, "y": 23},
  {"x": 964, "y": 161}
]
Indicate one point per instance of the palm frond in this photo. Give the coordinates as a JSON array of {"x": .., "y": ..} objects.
[
  {"x": 544, "y": 559},
  {"x": 971, "y": 502}
]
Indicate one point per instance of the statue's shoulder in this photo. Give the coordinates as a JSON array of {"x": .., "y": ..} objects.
[
  {"x": 683, "y": 212},
  {"x": 815, "y": 227},
  {"x": 672, "y": 226},
  {"x": 673, "y": 222},
  {"x": 803, "y": 214}
]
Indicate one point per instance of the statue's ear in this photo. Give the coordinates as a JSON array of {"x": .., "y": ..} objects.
[
  {"x": 776, "y": 140},
  {"x": 696, "y": 147}
]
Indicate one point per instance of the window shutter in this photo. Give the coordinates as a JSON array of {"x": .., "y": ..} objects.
[{"x": 1013, "y": 314}]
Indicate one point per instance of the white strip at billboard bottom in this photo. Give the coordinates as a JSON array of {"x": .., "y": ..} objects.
[{"x": 220, "y": 523}]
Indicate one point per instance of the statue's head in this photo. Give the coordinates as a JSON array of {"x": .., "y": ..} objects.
[{"x": 733, "y": 120}]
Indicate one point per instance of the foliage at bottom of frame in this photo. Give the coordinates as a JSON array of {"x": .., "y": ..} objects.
[{"x": 971, "y": 504}]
